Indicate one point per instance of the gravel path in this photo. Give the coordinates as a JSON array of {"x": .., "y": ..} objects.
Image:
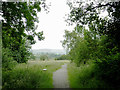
[{"x": 60, "y": 78}]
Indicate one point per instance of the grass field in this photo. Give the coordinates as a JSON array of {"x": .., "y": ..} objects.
[
  {"x": 31, "y": 75},
  {"x": 84, "y": 76}
]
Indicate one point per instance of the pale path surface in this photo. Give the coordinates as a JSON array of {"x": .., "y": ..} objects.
[{"x": 60, "y": 78}]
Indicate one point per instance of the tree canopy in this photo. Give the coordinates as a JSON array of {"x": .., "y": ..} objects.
[
  {"x": 18, "y": 27},
  {"x": 95, "y": 37}
]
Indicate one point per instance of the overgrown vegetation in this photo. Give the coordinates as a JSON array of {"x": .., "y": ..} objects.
[
  {"x": 31, "y": 75},
  {"x": 84, "y": 76},
  {"x": 93, "y": 45},
  {"x": 18, "y": 32},
  {"x": 99, "y": 42}
]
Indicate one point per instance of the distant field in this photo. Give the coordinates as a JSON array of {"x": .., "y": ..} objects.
[
  {"x": 47, "y": 61},
  {"x": 31, "y": 75}
]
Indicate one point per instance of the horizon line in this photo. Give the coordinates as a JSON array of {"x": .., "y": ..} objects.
[{"x": 49, "y": 48}]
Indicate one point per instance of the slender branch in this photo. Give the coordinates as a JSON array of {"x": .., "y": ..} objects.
[{"x": 108, "y": 4}]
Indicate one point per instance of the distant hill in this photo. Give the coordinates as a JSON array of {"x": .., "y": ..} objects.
[{"x": 43, "y": 51}]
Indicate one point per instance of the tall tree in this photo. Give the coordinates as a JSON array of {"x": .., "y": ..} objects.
[
  {"x": 106, "y": 29},
  {"x": 18, "y": 27}
]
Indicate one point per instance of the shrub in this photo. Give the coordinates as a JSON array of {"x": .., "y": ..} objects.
[
  {"x": 7, "y": 60},
  {"x": 85, "y": 76},
  {"x": 109, "y": 69}
]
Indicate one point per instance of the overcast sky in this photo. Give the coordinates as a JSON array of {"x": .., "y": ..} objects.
[{"x": 53, "y": 25}]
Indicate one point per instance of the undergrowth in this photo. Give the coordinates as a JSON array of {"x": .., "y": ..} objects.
[
  {"x": 85, "y": 76},
  {"x": 31, "y": 75}
]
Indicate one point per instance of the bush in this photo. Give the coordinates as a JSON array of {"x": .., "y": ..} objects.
[
  {"x": 7, "y": 60},
  {"x": 22, "y": 54},
  {"x": 109, "y": 68},
  {"x": 80, "y": 52},
  {"x": 108, "y": 62},
  {"x": 85, "y": 76}
]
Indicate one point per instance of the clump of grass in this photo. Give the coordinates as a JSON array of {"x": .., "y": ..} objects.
[
  {"x": 31, "y": 75},
  {"x": 84, "y": 76}
]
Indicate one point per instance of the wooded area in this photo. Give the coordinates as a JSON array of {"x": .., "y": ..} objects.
[{"x": 99, "y": 43}]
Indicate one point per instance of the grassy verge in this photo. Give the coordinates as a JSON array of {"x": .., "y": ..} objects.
[
  {"x": 84, "y": 76},
  {"x": 31, "y": 75}
]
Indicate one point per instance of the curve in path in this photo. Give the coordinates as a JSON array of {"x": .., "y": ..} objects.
[{"x": 60, "y": 78}]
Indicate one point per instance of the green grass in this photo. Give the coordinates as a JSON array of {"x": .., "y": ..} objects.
[
  {"x": 84, "y": 76},
  {"x": 31, "y": 75}
]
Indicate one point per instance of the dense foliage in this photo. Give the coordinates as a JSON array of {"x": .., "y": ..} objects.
[
  {"x": 30, "y": 75},
  {"x": 18, "y": 30},
  {"x": 99, "y": 41}
]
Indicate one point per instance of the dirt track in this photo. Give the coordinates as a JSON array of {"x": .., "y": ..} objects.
[{"x": 60, "y": 78}]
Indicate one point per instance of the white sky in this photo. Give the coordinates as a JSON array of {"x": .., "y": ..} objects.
[{"x": 53, "y": 25}]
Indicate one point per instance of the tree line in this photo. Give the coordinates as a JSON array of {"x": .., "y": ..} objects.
[{"x": 95, "y": 38}]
